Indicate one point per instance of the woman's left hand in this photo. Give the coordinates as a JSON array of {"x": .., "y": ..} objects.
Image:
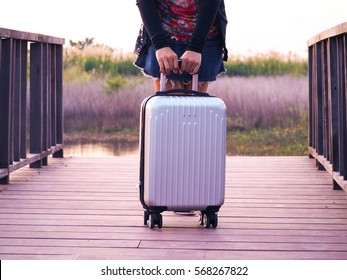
[{"x": 191, "y": 62}]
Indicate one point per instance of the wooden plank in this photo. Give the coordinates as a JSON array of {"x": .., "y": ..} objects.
[
  {"x": 134, "y": 221},
  {"x": 124, "y": 200},
  {"x": 245, "y": 212},
  {"x": 244, "y": 246},
  {"x": 85, "y": 243},
  {"x": 175, "y": 234},
  {"x": 28, "y": 36},
  {"x": 75, "y": 232},
  {"x": 160, "y": 254},
  {"x": 80, "y": 246},
  {"x": 331, "y": 32},
  {"x": 278, "y": 255},
  {"x": 34, "y": 256},
  {"x": 138, "y": 253}
]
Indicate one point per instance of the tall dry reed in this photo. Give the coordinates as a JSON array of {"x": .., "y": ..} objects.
[
  {"x": 263, "y": 101},
  {"x": 89, "y": 106},
  {"x": 251, "y": 102}
]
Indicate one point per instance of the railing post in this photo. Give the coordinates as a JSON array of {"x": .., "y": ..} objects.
[
  {"x": 17, "y": 100},
  {"x": 311, "y": 107},
  {"x": 6, "y": 47},
  {"x": 319, "y": 98},
  {"x": 45, "y": 94},
  {"x": 316, "y": 107},
  {"x": 333, "y": 103},
  {"x": 325, "y": 102},
  {"x": 23, "y": 97},
  {"x": 342, "y": 124},
  {"x": 59, "y": 101},
  {"x": 53, "y": 95},
  {"x": 36, "y": 114},
  {"x": 344, "y": 89},
  {"x": 49, "y": 96}
]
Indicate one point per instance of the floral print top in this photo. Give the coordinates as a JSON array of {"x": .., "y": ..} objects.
[{"x": 179, "y": 18}]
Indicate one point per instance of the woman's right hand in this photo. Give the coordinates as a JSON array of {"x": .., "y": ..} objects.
[
  {"x": 168, "y": 60},
  {"x": 191, "y": 62}
]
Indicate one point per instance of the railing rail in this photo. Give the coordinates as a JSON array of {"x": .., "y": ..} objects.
[
  {"x": 41, "y": 129},
  {"x": 328, "y": 102}
]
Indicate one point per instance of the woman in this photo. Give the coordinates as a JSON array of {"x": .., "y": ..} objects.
[{"x": 192, "y": 31}]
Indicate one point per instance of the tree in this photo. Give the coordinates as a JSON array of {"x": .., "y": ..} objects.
[{"x": 82, "y": 44}]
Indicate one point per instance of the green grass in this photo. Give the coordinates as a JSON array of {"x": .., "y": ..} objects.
[
  {"x": 269, "y": 64},
  {"x": 273, "y": 141},
  {"x": 96, "y": 136},
  {"x": 95, "y": 61}
]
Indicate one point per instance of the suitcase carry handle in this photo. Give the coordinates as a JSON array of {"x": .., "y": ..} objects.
[
  {"x": 179, "y": 91},
  {"x": 193, "y": 91}
]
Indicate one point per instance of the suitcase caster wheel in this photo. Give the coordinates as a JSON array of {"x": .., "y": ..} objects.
[
  {"x": 151, "y": 221},
  {"x": 155, "y": 219},
  {"x": 201, "y": 218},
  {"x": 145, "y": 217},
  {"x": 160, "y": 221},
  {"x": 206, "y": 220},
  {"x": 210, "y": 219},
  {"x": 214, "y": 221}
]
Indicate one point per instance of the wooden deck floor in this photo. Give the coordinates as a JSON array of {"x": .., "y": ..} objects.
[{"x": 88, "y": 208}]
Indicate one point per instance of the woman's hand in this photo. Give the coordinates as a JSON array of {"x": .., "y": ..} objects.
[
  {"x": 191, "y": 62},
  {"x": 167, "y": 60}
]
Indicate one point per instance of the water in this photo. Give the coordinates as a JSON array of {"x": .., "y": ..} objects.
[{"x": 120, "y": 148}]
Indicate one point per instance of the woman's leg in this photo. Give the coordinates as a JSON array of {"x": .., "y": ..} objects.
[{"x": 202, "y": 86}]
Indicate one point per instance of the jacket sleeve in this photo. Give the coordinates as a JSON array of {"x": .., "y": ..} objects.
[
  {"x": 206, "y": 17},
  {"x": 152, "y": 22}
]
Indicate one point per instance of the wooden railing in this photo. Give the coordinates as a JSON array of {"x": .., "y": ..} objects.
[
  {"x": 328, "y": 102},
  {"x": 38, "y": 130}
]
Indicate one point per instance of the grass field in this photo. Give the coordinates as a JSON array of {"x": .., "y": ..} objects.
[
  {"x": 266, "y": 115},
  {"x": 266, "y": 97}
]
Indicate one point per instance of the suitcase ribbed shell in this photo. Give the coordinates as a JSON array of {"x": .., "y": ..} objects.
[{"x": 184, "y": 152}]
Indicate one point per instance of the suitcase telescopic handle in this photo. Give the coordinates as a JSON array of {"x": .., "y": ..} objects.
[
  {"x": 195, "y": 82},
  {"x": 179, "y": 91}
]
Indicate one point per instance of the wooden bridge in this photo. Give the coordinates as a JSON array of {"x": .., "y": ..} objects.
[
  {"x": 76, "y": 208},
  {"x": 88, "y": 208}
]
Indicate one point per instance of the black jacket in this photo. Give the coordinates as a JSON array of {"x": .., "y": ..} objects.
[{"x": 144, "y": 40}]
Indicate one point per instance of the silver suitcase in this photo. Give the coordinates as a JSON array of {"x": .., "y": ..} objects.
[{"x": 182, "y": 155}]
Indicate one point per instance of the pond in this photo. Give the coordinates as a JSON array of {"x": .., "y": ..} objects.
[{"x": 119, "y": 148}]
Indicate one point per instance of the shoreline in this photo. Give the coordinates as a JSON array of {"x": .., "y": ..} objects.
[{"x": 100, "y": 137}]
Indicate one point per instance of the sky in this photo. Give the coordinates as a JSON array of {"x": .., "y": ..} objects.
[{"x": 254, "y": 26}]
